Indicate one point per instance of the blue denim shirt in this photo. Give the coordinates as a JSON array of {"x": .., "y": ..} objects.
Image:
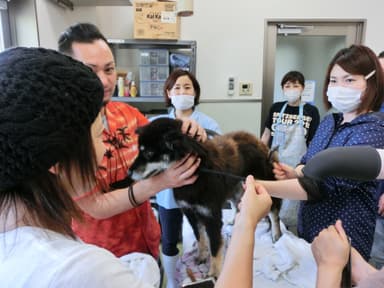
[{"x": 349, "y": 200}]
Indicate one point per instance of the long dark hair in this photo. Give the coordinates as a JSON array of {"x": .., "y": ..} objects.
[{"x": 48, "y": 104}]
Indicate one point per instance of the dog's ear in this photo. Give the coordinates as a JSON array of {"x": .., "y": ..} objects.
[
  {"x": 139, "y": 130},
  {"x": 173, "y": 139}
]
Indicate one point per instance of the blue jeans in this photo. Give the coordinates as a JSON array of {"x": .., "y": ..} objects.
[
  {"x": 377, "y": 252},
  {"x": 171, "y": 223}
]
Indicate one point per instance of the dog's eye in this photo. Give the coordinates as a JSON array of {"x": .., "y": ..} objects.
[
  {"x": 166, "y": 158},
  {"x": 148, "y": 154}
]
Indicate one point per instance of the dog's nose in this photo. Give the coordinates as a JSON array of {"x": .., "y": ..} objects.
[{"x": 134, "y": 175}]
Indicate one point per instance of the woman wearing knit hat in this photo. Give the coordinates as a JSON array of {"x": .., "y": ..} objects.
[{"x": 50, "y": 146}]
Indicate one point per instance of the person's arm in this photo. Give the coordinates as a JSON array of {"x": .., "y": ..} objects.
[
  {"x": 381, "y": 205},
  {"x": 238, "y": 264},
  {"x": 314, "y": 123},
  {"x": 285, "y": 189},
  {"x": 361, "y": 269},
  {"x": 355, "y": 162},
  {"x": 266, "y": 136},
  {"x": 331, "y": 251},
  {"x": 105, "y": 205}
]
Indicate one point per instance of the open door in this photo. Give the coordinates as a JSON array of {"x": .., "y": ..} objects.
[{"x": 306, "y": 46}]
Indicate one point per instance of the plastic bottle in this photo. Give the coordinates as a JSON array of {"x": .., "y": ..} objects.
[
  {"x": 133, "y": 90},
  {"x": 127, "y": 84},
  {"x": 120, "y": 86}
]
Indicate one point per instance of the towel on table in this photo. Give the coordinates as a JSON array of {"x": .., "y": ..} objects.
[{"x": 290, "y": 258}]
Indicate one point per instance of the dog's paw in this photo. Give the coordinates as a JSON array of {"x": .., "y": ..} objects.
[
  {"x": 203, "y": 256},
  {"x": 276, "y": 234},
  {"x": 215, "y": 267}
]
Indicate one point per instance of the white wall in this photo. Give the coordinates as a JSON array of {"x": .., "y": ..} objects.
[
  {"x": 23, "y": 23},
  {"x": 53, "y": 19},
  {"x": 230, "y": 40}
]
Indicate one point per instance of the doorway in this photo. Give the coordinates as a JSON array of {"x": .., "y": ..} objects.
[{"x": 305, "y": 46}]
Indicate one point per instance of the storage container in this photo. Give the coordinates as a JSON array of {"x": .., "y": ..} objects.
[
  {"x": 154, "y": 57},
  {"x": 154, "y": 73},
  {"x": 151, "y": 88}
]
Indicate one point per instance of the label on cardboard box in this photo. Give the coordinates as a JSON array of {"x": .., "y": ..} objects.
[
  {"x": 156, "y": 20},
  {"x": 168, "y": 17}
]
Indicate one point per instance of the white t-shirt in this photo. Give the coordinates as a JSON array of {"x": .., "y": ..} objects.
[{"x": 35, "y": 257}]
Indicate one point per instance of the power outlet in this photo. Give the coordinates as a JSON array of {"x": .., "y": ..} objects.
[
  {"x": 245, "y": 88},
  {"x": 231, "y": 86}
]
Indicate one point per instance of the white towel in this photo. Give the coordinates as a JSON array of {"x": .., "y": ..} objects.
[{"x": 289, "y": 259}]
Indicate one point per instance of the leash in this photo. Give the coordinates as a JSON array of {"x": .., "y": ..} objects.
[
  {"x": 211, "y": 134},
  {"x": 206, "y": 170}
]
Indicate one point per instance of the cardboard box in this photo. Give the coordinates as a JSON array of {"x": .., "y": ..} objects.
[{"x": 155, "y": 20}]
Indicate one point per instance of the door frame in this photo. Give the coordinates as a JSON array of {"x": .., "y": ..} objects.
[{"x": 353, "y": 29}]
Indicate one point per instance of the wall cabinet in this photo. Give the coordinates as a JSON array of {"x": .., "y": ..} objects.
[{"x": 128, "y": 56}]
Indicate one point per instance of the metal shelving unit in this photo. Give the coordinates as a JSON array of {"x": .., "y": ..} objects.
[{"x": 119, "y": 47}]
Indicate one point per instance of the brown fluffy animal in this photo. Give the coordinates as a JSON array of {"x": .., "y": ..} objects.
[{"x": 224, "y": 160}]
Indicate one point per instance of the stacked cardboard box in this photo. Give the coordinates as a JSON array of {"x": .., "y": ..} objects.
[{"x": 156, "y": 20}]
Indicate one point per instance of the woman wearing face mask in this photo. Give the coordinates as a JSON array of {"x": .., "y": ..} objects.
[
  {"x": 289, "y": 128},
  {"x": 182, "y": 94},
  {"x": 354, "y": 85}
]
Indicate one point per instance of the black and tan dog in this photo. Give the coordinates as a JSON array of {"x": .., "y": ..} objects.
[{"x": 239, "y": 153}]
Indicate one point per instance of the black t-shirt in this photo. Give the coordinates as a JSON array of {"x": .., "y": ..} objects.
[{"x": 311, "y": 118}]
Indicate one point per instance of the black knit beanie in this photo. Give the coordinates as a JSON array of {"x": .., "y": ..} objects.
[{"x": 47, "y": 101}]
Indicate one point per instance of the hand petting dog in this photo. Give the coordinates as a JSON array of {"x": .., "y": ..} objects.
[
  {"x": 181, "y": 173},
  {"x": 193, "y": 129}
]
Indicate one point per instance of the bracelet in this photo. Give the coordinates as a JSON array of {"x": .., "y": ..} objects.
[{"x": 131, "y": 197}]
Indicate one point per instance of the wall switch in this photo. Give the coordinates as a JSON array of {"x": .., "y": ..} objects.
[
  {"x": 231, "y": 86},
  {"x": 245, "y": 88}
]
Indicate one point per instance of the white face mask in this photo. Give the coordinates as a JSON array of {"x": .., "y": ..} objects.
[
  {"x": 292, "y": 95},
  {"x": 344, "y": 99},
  {"x": 183, "y": 102}
]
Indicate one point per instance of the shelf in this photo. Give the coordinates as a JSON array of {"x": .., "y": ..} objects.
[
  {"x": 127, "y": 55},
  {"x": 147, "y": 105},
  {"x": 139, "y": 99},
  {"x": 152, "y": 44}
]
